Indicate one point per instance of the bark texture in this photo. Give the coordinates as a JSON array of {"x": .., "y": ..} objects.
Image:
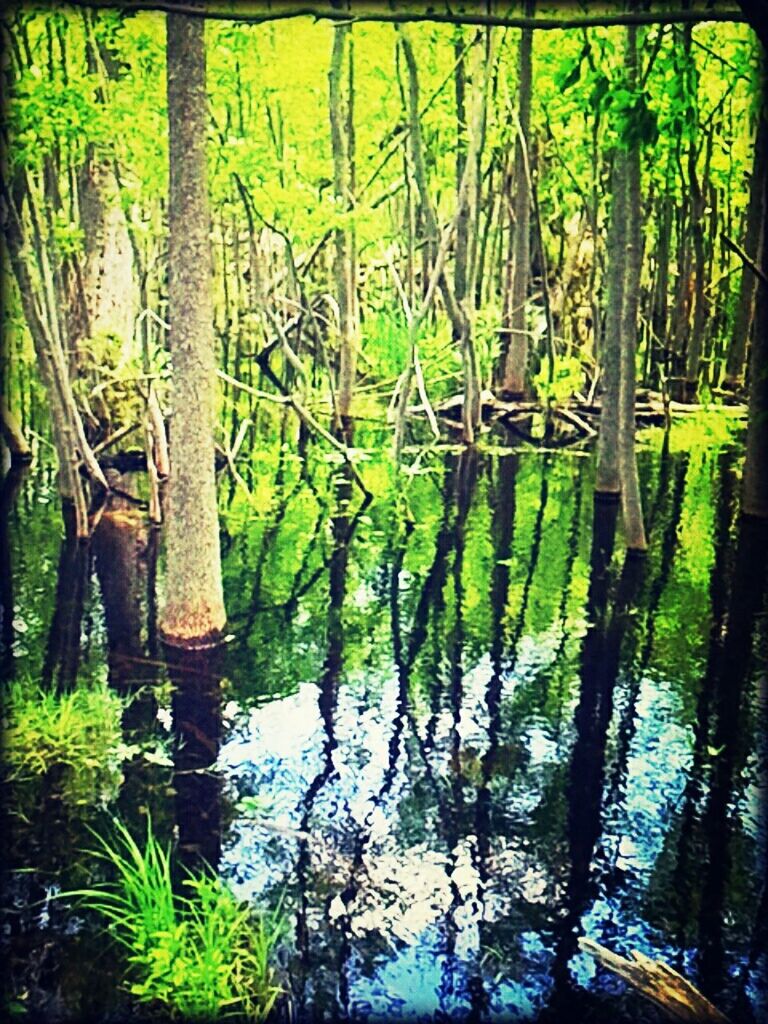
[
  {"x": 111, "y": 295},
  {"x": 193, "y": 613}
]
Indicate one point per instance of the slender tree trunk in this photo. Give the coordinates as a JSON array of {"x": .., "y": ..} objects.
[
  {"x": 461, "y": 250},
  {"x": 607, "y": 481},
  {"x": 516, "y": 356},
  {"x": 344, "y": 270},
  {"x": 12, "y": 434},
  {"x": 697, "y": 192},
  {"x": 41, "y": 313},
  {"x": 755, "y": 481},
  {"x": 631, "y": 504},
  {"x": 193, "y": 614},
  {"x": 756, "y": 215},
  {"x": 660, "y": 315},
  {"x": 457, "y": 314}
]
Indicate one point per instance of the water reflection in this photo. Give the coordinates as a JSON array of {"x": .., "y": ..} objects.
[{"x": 454, "y": 740}]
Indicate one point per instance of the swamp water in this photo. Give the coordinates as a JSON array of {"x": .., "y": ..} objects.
[{"x": 450, "y": 738}]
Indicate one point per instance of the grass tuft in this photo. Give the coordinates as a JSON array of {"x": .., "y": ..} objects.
[
  {"x": 205, "y": 956},
  {"x": 78, "y": 734}
]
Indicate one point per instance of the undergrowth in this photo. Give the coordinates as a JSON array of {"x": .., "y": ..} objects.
[
  {"x": 202, "y": 956},
  {"x": 77, "y": 735}
]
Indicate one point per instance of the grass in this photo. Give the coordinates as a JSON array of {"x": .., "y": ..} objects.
[
  {"x": 204, "y": 956},
  {"x": 77, "y": 734}
]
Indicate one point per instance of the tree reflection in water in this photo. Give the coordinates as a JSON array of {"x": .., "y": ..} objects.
[{"x": 473, "y": 731}]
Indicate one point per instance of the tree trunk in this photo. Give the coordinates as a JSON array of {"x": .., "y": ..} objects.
[
  {"x": 111, "y": 295},
  {"x": 193, "y": 614},
  {"x": 631, "y": 504},
  {"x": 41, "y": 313},
  {"x": 516, "y": 357},
  {"x": 12, "y": 434},
  {"x": 756, "y": 214},
  {"x": 755, "y": 481},
  {"x": 461, "y": 251},
  {"x": 697, "y": 193},
  {"x": 344, "y": 270},
  {"x": 457, "y": 314},
  {"x": 607, "y": 481}
]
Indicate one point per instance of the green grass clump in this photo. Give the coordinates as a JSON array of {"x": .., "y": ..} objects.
[
  {"x": 75, "y": 735},
  {"x": 205, "y": 956}
]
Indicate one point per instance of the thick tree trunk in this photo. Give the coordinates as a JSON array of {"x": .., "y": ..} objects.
[
  {"x": 607, "y": 481},
  {"x": 516, "y": 357},
  {"x": 111, "y": 296},
  {"x": 631, "y": 504},
  {"x": 193, "y": 614}
]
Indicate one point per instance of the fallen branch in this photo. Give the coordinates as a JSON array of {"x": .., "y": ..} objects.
[
  {"x": 305, "y": 415},
  {"x": 659, "y": 983},
  {"x": 571, "y": 417},
  {"x": 738, "y": 251},
  {"x": 114, "y": 438}
]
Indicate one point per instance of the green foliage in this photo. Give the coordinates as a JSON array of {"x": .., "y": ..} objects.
[
  {"x": 204, "y": 956},
  {"x": 77, "y": 736},
  {"x": 568, "y": 378},
  {"x": 636, "y": 122}
]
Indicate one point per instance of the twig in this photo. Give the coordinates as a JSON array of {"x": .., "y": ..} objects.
[
  {"x": 114, "y": 438},
  {"x": 305, "y": 415}
]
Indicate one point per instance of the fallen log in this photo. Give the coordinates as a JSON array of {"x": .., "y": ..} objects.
[
  {"x": 659, "y": 983},
  {"x": 650, "y": 409}
]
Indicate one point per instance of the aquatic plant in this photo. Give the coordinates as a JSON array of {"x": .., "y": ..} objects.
[
  {"x": 75, "y": 737},
  {"x": 205, "y": 956}
]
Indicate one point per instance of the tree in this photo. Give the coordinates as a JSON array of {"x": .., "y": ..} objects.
[
  {"x": 344, "y": 263},
  {"x": 755, "y": 482},
  {"x": 756, "y": 214},
  {"x": 516, "y": 352},
  {"x": 193, "y": 614},
  {"x": 607, "y": 478},
  {"x": 631, "y": 503}
]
